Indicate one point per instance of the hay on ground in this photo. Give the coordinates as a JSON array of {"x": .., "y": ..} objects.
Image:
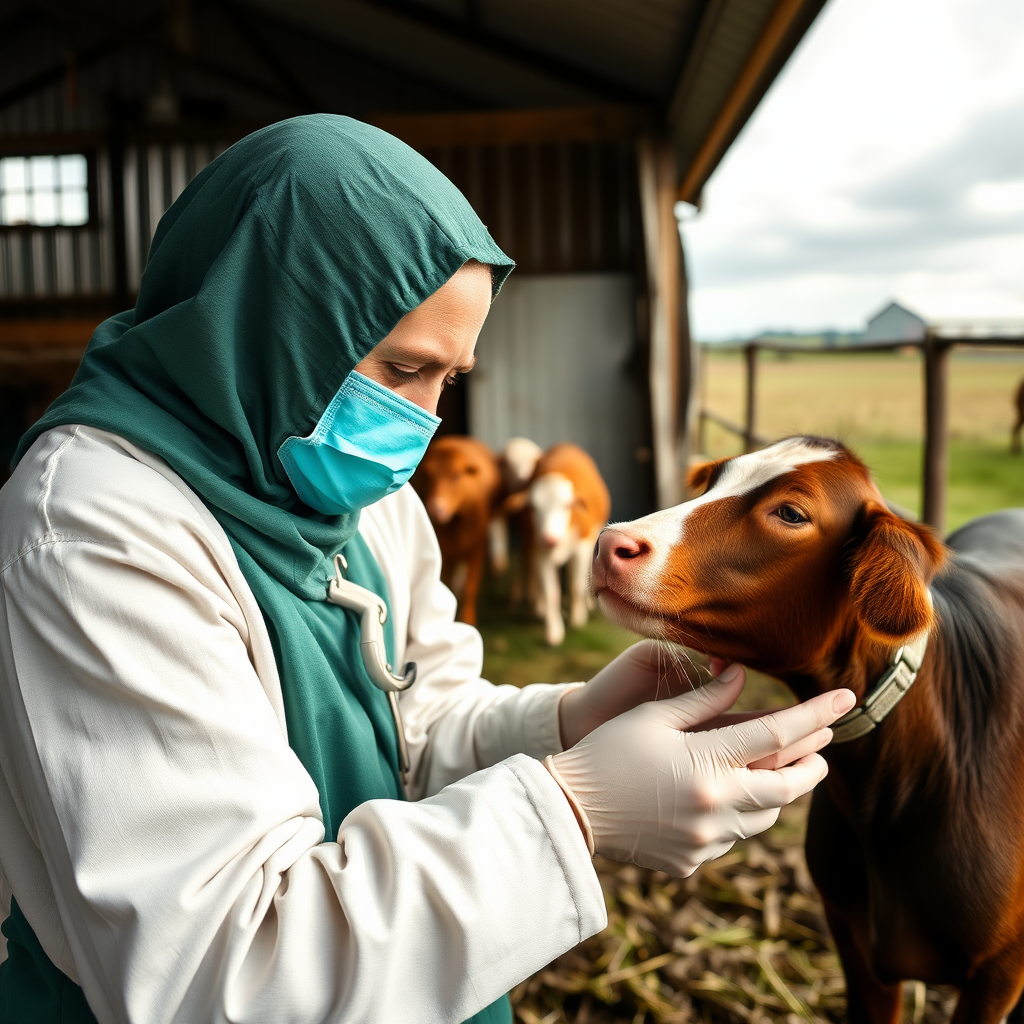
[{"x": 744, "y": 939}]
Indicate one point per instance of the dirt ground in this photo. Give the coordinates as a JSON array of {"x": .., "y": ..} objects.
[{"x": 744, "y": 939}]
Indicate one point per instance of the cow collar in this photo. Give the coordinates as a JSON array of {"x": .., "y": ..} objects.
[{"x": 886, "y": 694}]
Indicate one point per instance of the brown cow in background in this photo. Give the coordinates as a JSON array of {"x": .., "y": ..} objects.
[{"x": 459, "y": 482}]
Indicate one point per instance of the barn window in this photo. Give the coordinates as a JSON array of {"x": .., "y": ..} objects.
[{"x": 44, "y": 191}]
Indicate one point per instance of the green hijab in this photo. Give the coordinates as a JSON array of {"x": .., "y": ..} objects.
[{"x": 278, "y": 269}]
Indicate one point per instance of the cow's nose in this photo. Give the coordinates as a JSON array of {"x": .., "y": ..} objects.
[
  {"x": 439, "y": 510},
  {"x": 614, "y": 547}
]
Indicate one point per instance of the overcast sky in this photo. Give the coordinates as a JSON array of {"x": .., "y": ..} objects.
[{"x": 886, "y": 161}]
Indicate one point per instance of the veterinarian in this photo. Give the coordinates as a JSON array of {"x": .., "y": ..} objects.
[{"x": 202, "y": 811}]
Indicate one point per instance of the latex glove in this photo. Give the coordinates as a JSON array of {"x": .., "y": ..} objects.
[
  {"x": 646, "y": 671},
  {"x": 650, "y": 788}
]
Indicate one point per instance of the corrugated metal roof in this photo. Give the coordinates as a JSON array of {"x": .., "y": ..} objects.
[
  {"x": 637, "y": 42},
  {"x": 682, "y": 59},
  {"x": 712, "y": 70}
]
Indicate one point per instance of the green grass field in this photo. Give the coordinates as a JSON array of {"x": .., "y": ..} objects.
[{"x": 874, "y": 403}]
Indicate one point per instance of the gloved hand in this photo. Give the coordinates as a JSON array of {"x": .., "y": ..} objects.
[
  {"x": 648, "y": 788},
  {"x": 646, "y": 671}
]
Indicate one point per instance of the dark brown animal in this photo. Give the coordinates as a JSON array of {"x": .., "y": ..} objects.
[
  {"x": 459, "y": 482},
  {"x": 790, "y": 562}
]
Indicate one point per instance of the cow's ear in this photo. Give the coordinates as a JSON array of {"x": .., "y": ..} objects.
[
  {"x": 891, "y": 568},
  {"x": 699, "y": 474}
]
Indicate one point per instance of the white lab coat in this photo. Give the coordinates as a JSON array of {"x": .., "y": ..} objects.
[{"x": 164, "y": 841}]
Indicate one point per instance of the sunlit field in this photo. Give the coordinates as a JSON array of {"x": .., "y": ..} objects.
[
  {"x": 744, "y": 939},
  {"x": 874, "y": 404}
]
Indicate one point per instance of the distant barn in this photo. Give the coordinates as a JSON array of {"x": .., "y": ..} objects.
[{"x": 957, "y": 316}]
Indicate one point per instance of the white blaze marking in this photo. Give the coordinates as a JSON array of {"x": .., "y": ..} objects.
[
  {"x": 552, "y": 496},
  {"x": 664, "y": 530}
]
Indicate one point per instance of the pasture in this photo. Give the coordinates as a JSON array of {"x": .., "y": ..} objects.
[
  {"x": 873, "y": 402},
  {"x": 744, "y": 939}
]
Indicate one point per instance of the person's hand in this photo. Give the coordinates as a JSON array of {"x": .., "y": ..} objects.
[
  {"x": 646, "y": 671},
  {"x": 652, "y": 787}
]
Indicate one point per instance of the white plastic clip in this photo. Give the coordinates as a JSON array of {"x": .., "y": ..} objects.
[{"x": 373, "y": 613}]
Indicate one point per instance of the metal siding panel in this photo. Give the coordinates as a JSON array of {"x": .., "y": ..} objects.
[
  {"x": 101, "y": 241},
  {"x": 6, "y": 266},
  {"x": 552, "y": 365},
  {"x": 88, "y": 271},
  {"x": 63, "y": 263},
  {"x": 132, "y": 217},
  {"x": 154, "y": 193},
  {"x": 178, "y": 175},
  {"x": 39, "y": 264}
]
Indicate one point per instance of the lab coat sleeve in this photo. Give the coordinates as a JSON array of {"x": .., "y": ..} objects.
[
  {"x": 166, "y": 844},
  {"x": 456, "y": 722}
]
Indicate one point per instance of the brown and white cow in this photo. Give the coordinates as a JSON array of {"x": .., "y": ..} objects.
[
  {"x": 790, "y": 562},
  {"x": 569, "y": 503},
  {"x": 459, "y": 483}
]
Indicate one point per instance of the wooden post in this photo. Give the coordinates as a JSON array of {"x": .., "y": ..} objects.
[
  {"x": 701, "y": 400},
  {"x": 662, "y": 251},
  {"x": 750, "y": 419},
  {"x": 689, "y": 369},
  {"x": 936, "y": 433}
]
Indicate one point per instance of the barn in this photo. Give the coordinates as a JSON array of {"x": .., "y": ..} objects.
[{"x": 573, "y": 127}]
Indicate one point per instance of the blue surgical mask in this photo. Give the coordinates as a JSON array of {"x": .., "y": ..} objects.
[{"x": 366, "y": 445}]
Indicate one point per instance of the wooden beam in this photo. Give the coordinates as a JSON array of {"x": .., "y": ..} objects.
[
  {"x": 689, "y": 371},
  {"x": 38, "y": 335},
  {"x": 485, "y": 78},
  {"x": 138, "y": 35},
  {"x": 657, "y": 176},
  {"x": 737, "y": 104},
  {"x": 507, "y": 127},
  {"x": 242, "y": 23},
  {"x": 82, "y": 58},
  {"x": 473, "y": 32},
  {"x": 936, "y": 432}
]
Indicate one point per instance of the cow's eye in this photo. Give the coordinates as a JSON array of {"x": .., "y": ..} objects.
[
  {"x": 790, "y": 515},
  {"x": 472, "y": 470}
]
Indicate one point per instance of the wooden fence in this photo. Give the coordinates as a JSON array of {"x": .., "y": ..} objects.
[{"x": 935, "y": 349}]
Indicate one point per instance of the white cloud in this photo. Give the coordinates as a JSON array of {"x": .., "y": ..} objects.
[
  {"x": 998, "y": 196},
  {"x": 887, "y": 159}
]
